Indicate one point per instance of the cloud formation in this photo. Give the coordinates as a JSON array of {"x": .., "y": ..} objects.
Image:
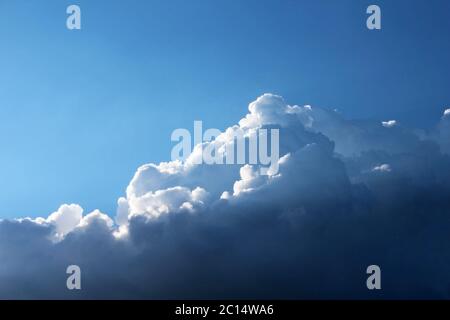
[{"x": 347, "y": 194}]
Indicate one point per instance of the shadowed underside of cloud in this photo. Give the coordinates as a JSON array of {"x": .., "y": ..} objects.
[{"x": 348, "y": 194}]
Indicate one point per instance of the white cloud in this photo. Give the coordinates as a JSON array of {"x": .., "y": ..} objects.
[
  {"x": 96, "y": 216},
  {"x": 166, "y": 187},
  {"x": 174, "y": 199},
  {"x": 382, "y": 168},
  {"x": 191, "y": 231},
  {"x": 65, "y": 219},
  {"x": 389, "y": 124},
  {"x": 68, "y": 218}
]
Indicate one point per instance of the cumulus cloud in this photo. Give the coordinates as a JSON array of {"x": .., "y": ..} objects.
[
  {"x": 65, "y": 219},
  {"x": 347, "y": 194}
]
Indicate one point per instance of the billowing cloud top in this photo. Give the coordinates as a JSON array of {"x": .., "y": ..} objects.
[{"x": 347, "y": 194}]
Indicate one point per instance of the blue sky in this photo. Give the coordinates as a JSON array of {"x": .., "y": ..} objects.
[{"x": 81, "y": 110}]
